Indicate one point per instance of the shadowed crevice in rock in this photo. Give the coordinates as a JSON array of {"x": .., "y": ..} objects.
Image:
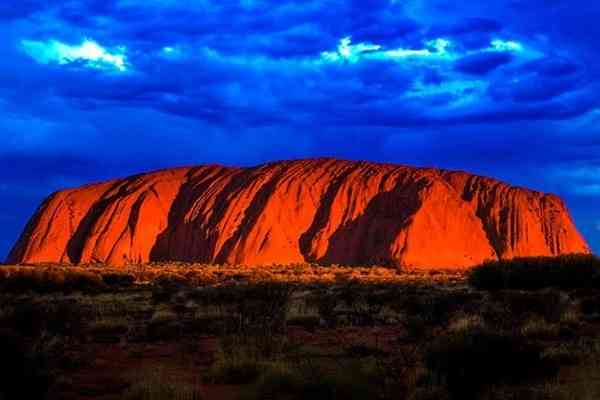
[
  {"x": 322, "y": 215},
  {"x": 180, "y": 241},
  {"x": 79, "y": 239},
  {"x": 484, "y": 213},
  {"x": 368, "y": 239},
  {"x": 251, "y": 215}
]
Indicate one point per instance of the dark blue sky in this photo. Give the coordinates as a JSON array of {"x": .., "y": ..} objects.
[{"x": 93, "y": 89}]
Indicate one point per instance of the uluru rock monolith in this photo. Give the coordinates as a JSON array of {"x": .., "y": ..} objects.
[{"x": 318, "y": 210}]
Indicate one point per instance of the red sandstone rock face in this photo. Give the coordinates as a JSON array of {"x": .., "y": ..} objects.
[{"x": 323, "y": 210}]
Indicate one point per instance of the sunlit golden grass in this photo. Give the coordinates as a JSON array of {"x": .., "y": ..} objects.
[{"x": 43, "y": 276}]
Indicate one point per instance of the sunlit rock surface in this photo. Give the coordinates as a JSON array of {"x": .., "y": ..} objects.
[{"x": 319, "y": 210}]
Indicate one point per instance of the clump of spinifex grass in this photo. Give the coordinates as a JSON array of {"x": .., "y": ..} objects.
[{"x": 156, "y": 385}]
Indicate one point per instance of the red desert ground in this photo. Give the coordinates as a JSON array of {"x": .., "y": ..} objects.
[{"x": 317, "y": 210}]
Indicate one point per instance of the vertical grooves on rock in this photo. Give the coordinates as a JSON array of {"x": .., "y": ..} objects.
[
  {"x": 78, "y": 240},
  {"x": 323, "y": 211}
]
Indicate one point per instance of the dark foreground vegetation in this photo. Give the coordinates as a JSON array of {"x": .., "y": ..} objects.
[
  {"x": 498, "y": 333},
  {"x": 577, "y": 271}
]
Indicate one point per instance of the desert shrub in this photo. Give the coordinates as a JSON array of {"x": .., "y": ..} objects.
[
  {"x": 109, "y": 326},
  {"x": 361, "y": 350},
  {"x": 468, "y": 361},
  {"x": 550, "y": 304},
  {"x": 207, "y": 324},
  {"x": 358, "y": 379},
  {"x": 275, "y": 381},
  {"x": 416, "y": 327},
  {"x": 590, "y": 306},
  {"x": 28, "y": 318},
  {"x": 52, "y": 280},
  {"x": 170, "y": 281},
  {"x": 234, "y": 372},
  {"x": 429, "y": 393},
  {"x": 566, "y": 272},
  {"x": 326, "y": 302},
  {"x": 234, "y": 364},
  {"x": 253, "y": 314},
  {"x": 156, "y": 386},
  {"x": 65, "y": 317},
  {"x": 433, "y": 308},
  {"x": 83, "y": 281},
  {"x": 258, "y": 309},
  {"x": 546, "y": 391},
  {"x": 539, "y": 328},
  {"x": 571, "y": 318},
  {"x": 165, "y": 286},
  {"x": 264, "y": 307},
  {"x": 240, "y": 360},
  {"x": 20, "y": 281},
  {"x": 164, "y": 325},
  {"x": 119, "y": 279},
  {"x": 562, "y": 354},
  {"x": 308, "y": 322},
  {"x": 163, "y": 317},
  {"x": 364, "y": 301},
  {"x": 466, "y": 323}
]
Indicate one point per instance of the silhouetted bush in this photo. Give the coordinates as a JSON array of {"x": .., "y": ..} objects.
[
  {"x": 565, "y": 272},
  {"x": 466, "y": 361},
  {"x": 49, "y": 280}
]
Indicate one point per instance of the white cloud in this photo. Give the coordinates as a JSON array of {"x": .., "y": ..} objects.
[
  {"x": 506, "y": 45},
  {"x": 434, "y": 48},
  {"x": 171, "y": 52},
  {"x": 465, "y": 92},
  {"x": 348, "y": 51},
  {"x": 518, "y": 49},
  {"x": 438, "y": 48},
  {"x": 89, "y": 52}
]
